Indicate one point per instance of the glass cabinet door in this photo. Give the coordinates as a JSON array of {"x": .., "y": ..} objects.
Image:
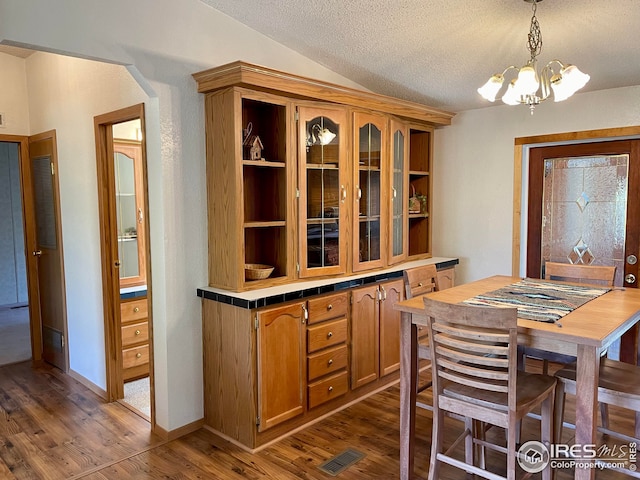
[
  {"x": 323, "y": 190},
  {"x": 369, "y": 210},
  {"x": 398, "y": 240},
  {"x": 129, "y": 213}
]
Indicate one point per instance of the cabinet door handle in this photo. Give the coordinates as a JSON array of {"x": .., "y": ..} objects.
[
  {"x": 384, "y": 293},
  {"x": 344, "y": 193},
  {"x": 137, "y": 332},
  {"x": 359, "y": 192},
  {"x": 330, "y": 334},
  {"x": 305, "y": 314},
  {"x": 331, "y": 389},
  {"x": 330, "y": 362},
  {"x": 395, "y": 192},
  {"x": 138, "y": 355}
]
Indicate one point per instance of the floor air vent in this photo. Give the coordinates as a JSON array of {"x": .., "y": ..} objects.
[{"x": 341, "y": 462}]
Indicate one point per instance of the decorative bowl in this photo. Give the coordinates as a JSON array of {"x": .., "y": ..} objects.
[{"x": 257, "y": 271}]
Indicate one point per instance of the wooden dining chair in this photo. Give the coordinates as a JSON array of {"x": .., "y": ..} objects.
[
  {"x": 418, "y": 281},
  {"x": 589, "y": 274},
  {"x": 475, "y": 376},
  {"x": 618, "y": 385}
]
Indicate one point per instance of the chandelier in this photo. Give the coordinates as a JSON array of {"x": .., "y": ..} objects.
[{"x": 529, "y": 87}]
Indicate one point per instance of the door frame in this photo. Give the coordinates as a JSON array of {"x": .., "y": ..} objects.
[
  {"x": 109, "y": 247},
  {"x": 30, "y": 241},
  {"x": 630, "y": 349}
]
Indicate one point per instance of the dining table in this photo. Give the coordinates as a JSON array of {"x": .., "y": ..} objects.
[{"x": 584, "y": 332}]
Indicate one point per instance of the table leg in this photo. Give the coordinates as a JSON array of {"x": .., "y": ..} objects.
[
  {"x": 586, "y": 402},
  {"x": 408, "y": 385}
]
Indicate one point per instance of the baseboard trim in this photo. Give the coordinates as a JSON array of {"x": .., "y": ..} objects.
[
  {"x": 88, "y": 383},
  {"x": 178, "y": 432}
]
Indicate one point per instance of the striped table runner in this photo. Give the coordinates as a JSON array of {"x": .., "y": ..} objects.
[{"x": 539, "y": 300}]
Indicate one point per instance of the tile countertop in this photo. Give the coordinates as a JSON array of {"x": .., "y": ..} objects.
[{"x": 306, "y": 288}]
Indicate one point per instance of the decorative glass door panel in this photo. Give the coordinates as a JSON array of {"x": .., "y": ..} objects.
[
  {"x": 584, "y": 209},
  {"x": 129, "y": 212},
  {"x": 370, "y": 138},
  {"x": 398, "y": 198},
  {"x": 323, "y": 191}
]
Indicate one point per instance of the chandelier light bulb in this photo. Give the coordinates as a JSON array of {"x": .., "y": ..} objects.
[
  {"x": 574, "y": 77},
  {"x": 510, "y": 97},
  {"x": 527, "y": 82},
  {"x": 490, "y": 89}
]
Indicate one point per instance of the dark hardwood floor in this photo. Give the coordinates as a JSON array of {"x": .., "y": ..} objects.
[{"x": 52, "y": 428}]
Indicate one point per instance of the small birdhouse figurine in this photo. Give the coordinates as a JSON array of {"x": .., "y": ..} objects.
[{"x": 255, "y": 148}]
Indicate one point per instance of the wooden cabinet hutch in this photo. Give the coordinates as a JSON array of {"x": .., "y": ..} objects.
[{"x": 314, "y": 180}]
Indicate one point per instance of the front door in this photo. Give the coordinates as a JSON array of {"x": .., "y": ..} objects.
[
  {"x": 584, "y": 208},
  {"x": 46, "y": 248}
]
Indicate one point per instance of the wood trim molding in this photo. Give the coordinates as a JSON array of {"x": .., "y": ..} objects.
[
  {"x": 169, "y": 435},
  {"x": 266, "y": 79},
  {"x": 87, "y": 383},
  {"x": 522, "y": 142}
]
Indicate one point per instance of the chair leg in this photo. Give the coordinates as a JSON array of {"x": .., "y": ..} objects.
[
  {"x": 547, "y": 412},
  {"x": 436, "y": 443},
  {"x": 558, "y": 413},
  {"x": 637, "y": 429},
  {"x": 469, "y": 425},
  {"x": 545, "y": 367},
  {"x": 511, "y": 448}
]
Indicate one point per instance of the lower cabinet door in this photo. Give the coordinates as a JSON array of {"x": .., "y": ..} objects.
[
  {"x": 281, "y": 359},
  {"x": 364, "y": 336},
  {"x": 390, "y": 327}
]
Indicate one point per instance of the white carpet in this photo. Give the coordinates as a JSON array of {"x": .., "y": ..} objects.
[
  {"x": 15, "y": 338},
  {"x": 137, "y": 394}
]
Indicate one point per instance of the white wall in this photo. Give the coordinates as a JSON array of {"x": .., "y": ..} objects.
[
  {"x": 65, "y": 94},
  {"x": 473, "y": 172},
  {"x": 162, "y": 42},
  {"x": 14, "y": 100}
]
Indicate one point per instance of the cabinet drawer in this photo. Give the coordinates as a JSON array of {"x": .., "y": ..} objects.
[
  {"x": 132, "y": 357},
  {"x": 326, "y": 362},
  {"x": 326, "y": 334},
  {"x": 326, "y": 308},
  {"x": 133, "y": 310},
  {"x": 135, "y": 333},
  {"x": 328, "y": 389}
]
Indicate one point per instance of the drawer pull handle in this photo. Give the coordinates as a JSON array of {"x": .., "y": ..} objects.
[
  {"x": 138, "y": 355},
  {"x": 331, "y": 389},
  {"x": 330, "y": 361},
  {"x": 419, "y": 284},
  {"x": 137, "y": 332},
  {"x": 330, "y": 334},
  {"x": 136, "y": 309},
  {"x": 329, "y": 307}
]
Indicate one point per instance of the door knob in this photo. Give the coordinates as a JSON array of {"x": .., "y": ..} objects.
[
  {"x": 37, "y": 253},
  {"x": 630, "y": 278}
]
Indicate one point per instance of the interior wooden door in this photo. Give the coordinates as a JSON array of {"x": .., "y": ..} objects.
[
  {"x": 584, "y": 208},
  {"x": 47, "y": 251}
]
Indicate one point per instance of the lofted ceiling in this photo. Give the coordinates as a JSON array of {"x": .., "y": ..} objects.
[{"x": 439, "y": 52}]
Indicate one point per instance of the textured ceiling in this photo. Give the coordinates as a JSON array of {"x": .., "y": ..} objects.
[{"x": 439, "y": 52}]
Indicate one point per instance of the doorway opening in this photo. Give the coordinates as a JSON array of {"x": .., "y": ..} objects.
[
  {"x": 15, "y": 337},
  {"x": 122, "y": 181}
]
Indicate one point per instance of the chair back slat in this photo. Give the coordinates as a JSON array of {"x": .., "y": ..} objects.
[
  {"x": 473, "y": 347},
  {"x": 420, "y": 280},
  {"x": 590, "y": 274},
  {"x": 494, "y": 360}
]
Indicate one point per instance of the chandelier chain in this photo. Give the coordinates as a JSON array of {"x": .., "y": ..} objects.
[{"x": 535, "y": 35}]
